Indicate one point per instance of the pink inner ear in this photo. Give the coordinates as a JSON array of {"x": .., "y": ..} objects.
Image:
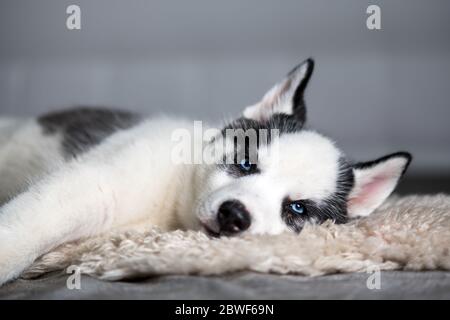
[{"x": 368, "y": 190}]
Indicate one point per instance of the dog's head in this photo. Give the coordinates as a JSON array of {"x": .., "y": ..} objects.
[{"x": 288, "y": 176}]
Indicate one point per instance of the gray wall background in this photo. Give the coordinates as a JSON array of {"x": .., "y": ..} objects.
[{"x": 374, "y": 92}]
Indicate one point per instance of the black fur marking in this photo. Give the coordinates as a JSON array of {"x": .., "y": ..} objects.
[
  {"x": 369, "y": 164},
  {"x": 83, "y": 128},
  {"x": 333, "y": 208},
  {"x": 298, "y": 103},
  {"x": 282, "y": 122}
]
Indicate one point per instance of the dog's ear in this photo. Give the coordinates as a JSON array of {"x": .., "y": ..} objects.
[
  {"x": 285, "y": 97},
  {"x": 375, "y": 181}
]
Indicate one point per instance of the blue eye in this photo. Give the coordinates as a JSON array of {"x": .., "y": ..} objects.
[
  {"x": 245, "y": 165},
  {"x": 297, "y": 208}
]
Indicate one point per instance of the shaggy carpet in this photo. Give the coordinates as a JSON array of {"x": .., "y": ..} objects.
[{"x": 409, "y": 233}]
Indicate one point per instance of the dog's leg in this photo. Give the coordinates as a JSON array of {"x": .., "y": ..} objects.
[
  {"x": 75, "y": 202},
  {"x": 78, "y": 201}
]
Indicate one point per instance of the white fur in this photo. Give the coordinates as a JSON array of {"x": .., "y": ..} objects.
[
  {"x": 129, "y": 180},
  {"x": 26, "y": 154}
]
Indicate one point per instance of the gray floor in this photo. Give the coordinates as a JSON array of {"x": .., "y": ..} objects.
[{"x": 394, "y": 285}]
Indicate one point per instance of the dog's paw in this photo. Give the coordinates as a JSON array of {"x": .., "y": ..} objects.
[
  {"x": 14, "y": 258},
  {"x": 8, "y": 274}
]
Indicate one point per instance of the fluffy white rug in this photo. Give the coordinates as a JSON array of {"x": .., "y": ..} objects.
[{"x": 411, "y": 233}]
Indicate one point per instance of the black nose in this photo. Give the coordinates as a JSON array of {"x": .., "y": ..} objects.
[{"x": 233, "y": 217}]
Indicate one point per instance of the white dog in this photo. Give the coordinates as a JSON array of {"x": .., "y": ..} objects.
[{"x": 82, "y": 172}]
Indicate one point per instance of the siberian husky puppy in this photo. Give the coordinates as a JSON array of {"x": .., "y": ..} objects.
[{"x": 81, "y": 172}]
